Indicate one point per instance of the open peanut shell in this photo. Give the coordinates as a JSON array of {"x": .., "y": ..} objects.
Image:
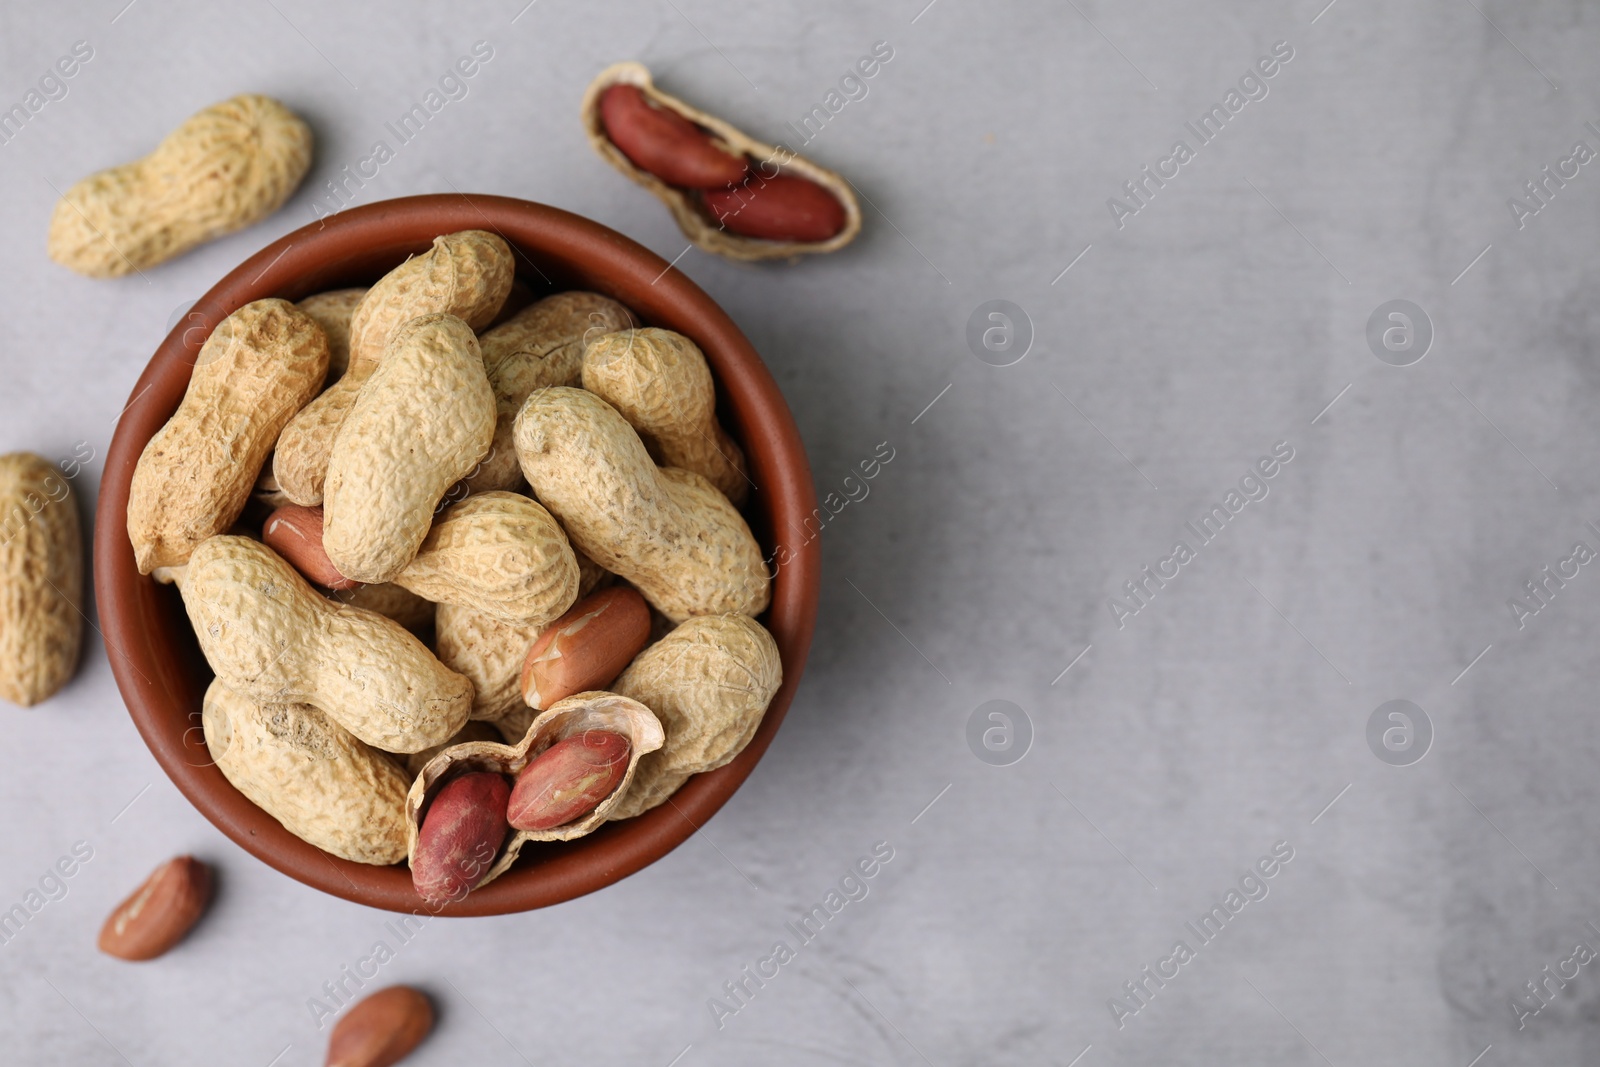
[
  {"x": 696, "y": 222},
  {"x": 582, "y": 711}
]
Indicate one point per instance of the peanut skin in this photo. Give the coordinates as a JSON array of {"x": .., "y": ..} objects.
[
  {"x": 269, "y": 636},
  {"x": 586, "y": 648},
  {"x": 295, "y": 533},
  {"x": 466, "y": 274},
  {"x": 41, "y": 580},
  {"x": 665, "y": 143},
  {"x": 422, "y": 422},
  {"x": 568, "y": 780},
  {"x": 667, "y": 531},
  {"x": 258, "y": 367},
  {"x": 659, "y": 381},
  {"x": 227, "y": 167},
  {"x": 462, "y": 830},
  {"x": 780, "y": 208}
]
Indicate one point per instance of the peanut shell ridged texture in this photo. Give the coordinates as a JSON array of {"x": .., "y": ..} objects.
[
  {"x": 491, "y": 652},
  {"x": 225, "y": 168},
  {"x": 466, "y": 274},
  {"x": 311, "y": 774},
  {"x": 41, "y": 580},
  {"x": 259, "y": 366},
  {"x": 390, "y": 601},
  {"x": 542, "y": 345},
  {"x": 421, "y": 423},
  {"x": 269, "y": 636},
  {"x": 709, "y": 682},
  {"x": 688, "y": 209},
  {"x": 333, "y": 310},
  {"x": 667, "y": 531},
  {"x": 659, "y": 381},
  {"x": 498, "y": 553}
]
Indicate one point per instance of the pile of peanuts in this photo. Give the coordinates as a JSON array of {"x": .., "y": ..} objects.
[{"x": 500, "y": 591}]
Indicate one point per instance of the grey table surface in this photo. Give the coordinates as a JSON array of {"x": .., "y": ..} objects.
[{"x": 1235, "y": 307}]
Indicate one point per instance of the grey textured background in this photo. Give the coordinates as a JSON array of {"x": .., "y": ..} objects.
[{"x": 1226, "y": 716}]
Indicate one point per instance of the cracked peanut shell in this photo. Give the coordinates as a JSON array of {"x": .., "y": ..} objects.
[
  {"x": 690, "y": 213},
  {"x": 565, "y": 718}
]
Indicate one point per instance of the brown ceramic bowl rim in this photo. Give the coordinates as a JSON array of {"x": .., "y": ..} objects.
[{"x": 155, "y": 664}]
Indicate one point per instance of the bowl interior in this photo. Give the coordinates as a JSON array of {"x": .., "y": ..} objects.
[{"x": 152, "y": 649}]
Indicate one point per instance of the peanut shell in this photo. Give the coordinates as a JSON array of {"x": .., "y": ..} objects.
[
  {"x": 466, "y": 274},
  {"x": 319, "y": 780},
  {"x": 540, "y": 346},
  {"x": 268, "y": 635},
  {"x": 420, "y": 423},
  {"x": 498, "y": 553},
  {"x": 709, "y": 683},
  {"x": 667, "y": 531},
  {"x": 583, "y": 711},
  {"x": 390, "y": 601},
  {"x": 41, "y": 580},
  {"x": 333, "y": 310},
  {"x": 659, "y": 381},
  {"x": 226, "y": 167},
  {"x": 259, "y": 366},
  {"x": 696, "y": 222}
]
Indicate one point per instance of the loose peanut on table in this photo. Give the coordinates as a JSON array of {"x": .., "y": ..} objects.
[
  {"x": 41, "y": 580},
  {"x": 729, "y": 193},
  {"x": 227, "y": 167}
]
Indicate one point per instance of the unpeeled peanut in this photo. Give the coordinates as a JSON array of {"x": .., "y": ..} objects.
[
  {"x": 568, "y": 780},
  {"x": 295, "y": 533},
  {"x": 225, "y": 168},
  {"x": 466, "y": 274},
  {"x": 665, "y": 143},
  {"x": 160, "y": 912},
  {"x": 780, "y": 208},
  {"x": 333, "y": 311},
  {"x": 540, "y": 346},
  {"x": 586, "y": 648},
  {"x": 462, "y": 830},
  {"x": 667, "y": 531},
  {"x": 659, "y": 381},
  {"x": 381, "y": 1029},
  {"x": 268, "y": 635},
  {"x": 316, "y": 778},
  {"x": 498, "y": 553},
  {"x": 258, "y": 367},
  {"x": 41, "y": 580},
  {"x": 420, "y": 423}
]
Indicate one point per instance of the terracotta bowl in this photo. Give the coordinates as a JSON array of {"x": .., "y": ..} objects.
[{"x": 153, "y": 652}]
